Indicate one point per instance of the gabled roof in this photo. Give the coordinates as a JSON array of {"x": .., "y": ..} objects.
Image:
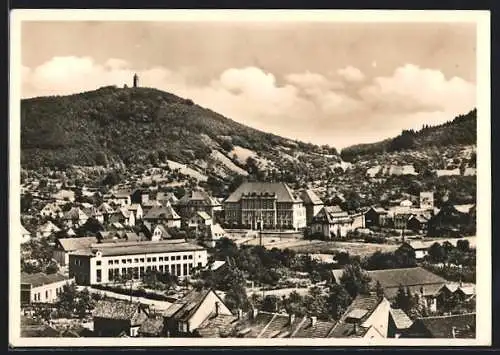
[
  {"x": 198, "y": 195},
  {"x": 282, "y": 192},
  {"x": 306, "y": 329},
  {"x": 203, "y": 215},
  {"x": 185, "y": 307},
  {"x": 167, "y": 213},
  {"x": 415, "y": 278},
  {"x": 119, "y": 310},
  {"x": 309, "y": 197},
  {"x": 400, "y": 318},
  {"x": 49, "y": 227},
  {"x": 351, "y": 324},
  {"x": 41, "y": 278},
  {"x": 331, "y": 215},
  {"x": 105, "y": 208},
  {"x": 72, "y": 244},
  {"x": 216, "y": 326},
  {"x": 75, "y": 213},
  {"x": 442, "y": 326}
]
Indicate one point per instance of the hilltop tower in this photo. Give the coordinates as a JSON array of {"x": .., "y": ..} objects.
[{"x": 136, "y": 80}]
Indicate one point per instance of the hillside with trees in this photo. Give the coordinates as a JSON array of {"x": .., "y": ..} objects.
[
  {"x": 114, "y": 126},
  {"x": 460, "y": 131}
]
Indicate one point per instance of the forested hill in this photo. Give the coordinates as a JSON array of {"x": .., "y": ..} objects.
[
  {"x": 460, "y": 131},
  {"x": 135, "y": 125}
]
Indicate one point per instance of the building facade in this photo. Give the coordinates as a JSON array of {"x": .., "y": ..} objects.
[
  {"x": 108, "y": 262},
  {"x": 42, "y": 288},
  {"x": 258, "y": 205}
]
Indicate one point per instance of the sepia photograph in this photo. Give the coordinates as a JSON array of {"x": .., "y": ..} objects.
[{"x": 273, "y": 178}]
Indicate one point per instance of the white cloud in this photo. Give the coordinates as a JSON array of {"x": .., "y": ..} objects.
[
  {"x": 307, "y": 105},
  {"x": 350, "y": 73}
]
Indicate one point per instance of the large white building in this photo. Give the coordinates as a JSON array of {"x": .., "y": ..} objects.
[
  {"x": 42, "y": 288},
  {"x": 103, "y": 263}
]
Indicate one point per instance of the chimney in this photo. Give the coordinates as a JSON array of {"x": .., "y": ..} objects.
[
  {"x": 240, "y": 314},
  {"x": 255, "y": 312},
  {"x": 313, "y": 321},
  {"x": 217, "y": 308},
  {"x": 453, "y": 332},
  {"x": 291, "y": 318}
]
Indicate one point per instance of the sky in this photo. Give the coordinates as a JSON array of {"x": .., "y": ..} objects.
[{"x": 329, "y": 83}]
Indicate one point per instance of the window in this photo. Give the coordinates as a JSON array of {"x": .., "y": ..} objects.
[
  {"x": 142, "y": 260},
  {"x": 185, "y": 269},
  {"x": 110, "y": 262},
  {"x": 136, "y": 260},
  {"x": 98, "y": 275},
  {"x": 160, "y": 258},
  {"x": 199, "y": 264},
  {"x": 117, "y": 261},
  {"x": 172, "y": 269},
  {"x": 178, "y": 271},
  {"x": 110, "y": 274},
  {"x": 46, "y": 295},
  {"x": 149, "y": 260},
  {"x": 124, "y": 261},
  {"x": 98, "y": 262},
  {"x": 161, "y": 268},
  {"x": 178, "y": 257},
  {"x": 141, "y": 270},
  {"x": 184, "y": 257},
  {"x": 129, "y": 261},
  {"x": 190, "y": 257},
  {"x": 166, "y": 258},
  {"x": 154, "y": 259},
  {"x": 124, "y": 271},
  {"x": 148, "y": 268}
]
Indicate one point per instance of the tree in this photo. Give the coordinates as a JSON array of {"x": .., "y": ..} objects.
[
  {"x": 355, "y": 280},
  {"x": 379, "y": 289},
  {"x": 52, "y": 267},
  {"x": 66, "y": 300},
  {"x": 84, "y": 303},
  {"x": 437, "y": 253},
  {"x": 271, "y": 303},
  {"x": 338, "y": 300},
  {"x": 402, "y": 301},
  {"x": 316, "y": 303}
]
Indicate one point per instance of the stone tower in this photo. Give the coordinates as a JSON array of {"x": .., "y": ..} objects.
[{"x": 136, "y": 80}]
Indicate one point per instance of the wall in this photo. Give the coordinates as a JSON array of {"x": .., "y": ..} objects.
[
  {"x": 48, "y": 293},
  {"x": 79, "y": 268},
  {"x": 206, "y": 308},
  {"x": 379, "y": 319}
]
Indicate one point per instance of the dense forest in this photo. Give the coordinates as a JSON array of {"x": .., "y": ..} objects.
[
  {"x": 131, "y": 125},
  {"x": 461, "y": 130}
]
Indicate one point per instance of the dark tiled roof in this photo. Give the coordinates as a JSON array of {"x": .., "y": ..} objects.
[
  {"x": 217, "y": 326},
  {"x": 306, "y": 329},
  {"x": 152, "y": 326},
  {"x": 161, "y": 213},
  {"x": 362, "y": 306},
  {"x": 252, "y": 327},
  {"x": 309, "y": 197},
  {"x": 185, "y": 307},
  {"x": 40, "y": 279},
  {"x": 279, "y": 324},
  {"x": 406, "y": 277},
  {"x": 145, "y": 247},
  {"x": 119, "y": 310},
  {"x": 197, "y": 195},
  {"x": 281, "y": 190},
  {"x": 442, "y": 327}
]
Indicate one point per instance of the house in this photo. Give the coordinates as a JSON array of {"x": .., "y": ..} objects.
[
  {"x": 457, "y": 293},
  {"x": 400, "y": 170},
  {"x": 119, "y": 197},
  {"x": 93, "y": 212},
  {"x": 25, "y": 235},
  {"x": 367, "y": 317},
  {"x": 122, "y": 216},
  {"x": 215, "y": 233},
  {"x": 159, "y": 232},
  {"x": 166, "y": 197},
  {"x": 75, "y": 217},
  {"x": 417, "y": 223},
  {"x": 112, "y": 317},
  {"x": 312, "y": 203},
  {"x": 185, "y": 315},
  {"x": 47, "y": 229},
  {"x": 164, "y": 215},
  {"x": 65, "y": 246},
  {"x": 419, "y": 281},
  {"x": 217, "y": 326},
  {"x": 200, "y": 220},
  {"x": 375, "y": 217},
  {"x": 103, "y": 263},
  {"x": 399, "y": 322},
  {"x": 451, "y": 326},
  {"x": 64, "y": 195},
  {"x": 106, "y": 209},
  {"x": 262, "y": 324},
  {"x": 426, "y": 200},
  {"x": 52, "y": 210},
  {"x": 418, "y": 247},
  {"x": 266, "y": 205},
  {"x": 373, "y": 171},
  {"x": 148, "y": 205},
  {"x": 139, "y": 196},
  {"x": 400, "y": 219},
  {"x": 198, "y": 200},
  {"x": 446, "y": 172},
  {"x": 470, "y": 172},
  {"x": 41, "y": 287},
  {"x": 136, "y": 209},
  {"x": 311, "y": 327},
  {"x": 330, "y": 222}
]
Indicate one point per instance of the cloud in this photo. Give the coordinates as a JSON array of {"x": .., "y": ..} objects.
[
  {"x": 352, "y": 74},
  {"x": 340, "y": 110},
  {"x": 413, "y": 89}
]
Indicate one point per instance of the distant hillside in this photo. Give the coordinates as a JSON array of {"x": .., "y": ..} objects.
[
  {"x": 460, "y": 131},
  {"x": 126, "y": 126}
]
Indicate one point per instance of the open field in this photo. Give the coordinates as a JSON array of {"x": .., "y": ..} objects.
[{"x": 325, "y": 247}]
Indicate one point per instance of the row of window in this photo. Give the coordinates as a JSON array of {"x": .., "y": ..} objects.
[
  {"x": 149, "y": 260},
  {"x": 37, "y": 296},
  {"x": 138, "y": 272}
]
